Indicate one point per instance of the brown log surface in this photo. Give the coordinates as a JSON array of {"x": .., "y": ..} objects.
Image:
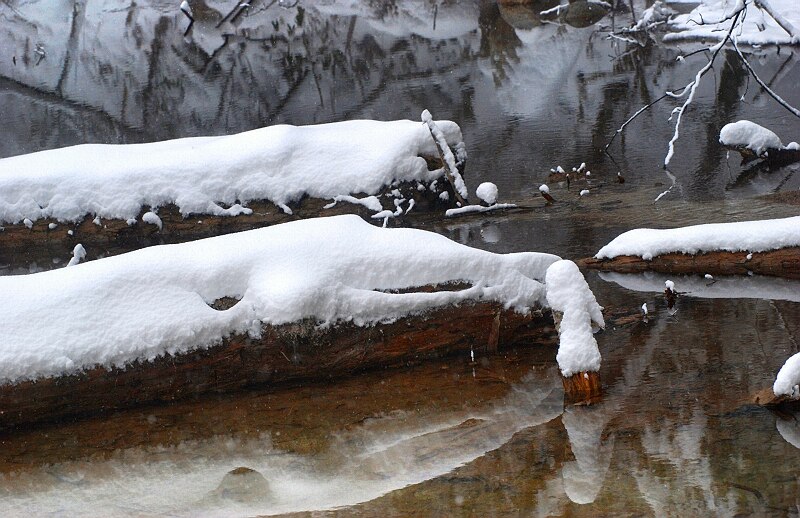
[
  {"x": 783, "y": 262},
  {"x": 582, "y": 388},
  {"x": 767, "y": 398},
  {"x": 284, "y": 354}
]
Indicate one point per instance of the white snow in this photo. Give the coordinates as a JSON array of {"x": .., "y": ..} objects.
[
  {"x": 28, "y": 223},
  {"x": 218, "y": 175},
  {"x": 568, "y": 293},
  {"x": 154, "y": 301},
  {"x": 449, "y": 158},
  {"x": 152, "y": 218},
  {"x": 750, "y": 135},
  {"x": 669, "y": 285},
  {"x": 584, "y": 192},
  {"x": 78, "y": 254},
  {"x": 787, "y": 383},
  {"x": 753, "y": 236},
  {"x": 478, "y": 208},
  {"x": 544, "y": 189},
  {"x": 487, "y": 191},
  {"x": 370, "y": 202},
  {"x": 708, "y": 21},
  {"x": 52, "y": 226}
]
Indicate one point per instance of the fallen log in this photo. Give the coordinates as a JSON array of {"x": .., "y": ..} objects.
[
  {"x": 47, "y": 238},
  {"x": 784, "y": 262},
  {"x": 128, "y": 196},
  {"x": 284, "y": 354}
]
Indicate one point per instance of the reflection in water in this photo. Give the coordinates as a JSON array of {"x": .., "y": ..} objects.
[
  {"x": 381, "y": 455},
  {"x": 789, "y": 428},
  {"x": 729, "y": 287}
]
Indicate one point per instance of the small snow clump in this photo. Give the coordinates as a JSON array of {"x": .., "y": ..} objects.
[{"x": 487, "y": 191}]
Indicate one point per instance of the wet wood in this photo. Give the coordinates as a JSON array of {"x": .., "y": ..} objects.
[
  {"x": 772, "y": 156},
  {"x": 767, "y": 398},
  {"x": 582, "y": 388},
  {"x": 111, "y": 236},
  {"x": 784, "y": 262},
  {"x": 286, "y": 354}
]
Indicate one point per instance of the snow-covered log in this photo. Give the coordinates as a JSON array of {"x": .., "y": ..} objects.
[
  {"x": 785, "y": 392},
  {"x": 576, "y": 313},
  {"x": 768, "y": 247},
  {"x": 311, "y": 299},
  {"x": 193, "y": 187},
  {"x": 753, "y": 141}
]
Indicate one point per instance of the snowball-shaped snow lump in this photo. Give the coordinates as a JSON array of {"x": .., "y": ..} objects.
[{"x": 487, "y": 191}]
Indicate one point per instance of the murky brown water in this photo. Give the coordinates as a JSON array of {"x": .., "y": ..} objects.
[{"x": 673, "y": 435}]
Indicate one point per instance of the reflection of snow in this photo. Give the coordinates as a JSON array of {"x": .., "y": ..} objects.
[
  {"x": 547, "y": 58},
  {"x": 789, "y": 430},
  {"x": 384, "y": 454},
  {"x": 584, "y": 477},
  {"x": 739, "y": 287}
]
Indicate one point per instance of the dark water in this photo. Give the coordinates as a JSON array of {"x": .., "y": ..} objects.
[{"x": 674, "y": 434}]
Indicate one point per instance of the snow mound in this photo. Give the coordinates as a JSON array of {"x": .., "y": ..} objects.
[
  {"x": 750, "y": 135},
  {"x": 217, "y": 175},
  {"x": 568, "y": 293},
  {"x": 487, "y": 192},
  {"x": 154, "y": 301},
  {"x": 787, "y": 382},
  {"x": 753, "y": 236}
]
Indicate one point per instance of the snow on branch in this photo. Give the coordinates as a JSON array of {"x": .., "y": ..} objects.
[{"x": 449, "y": 161}]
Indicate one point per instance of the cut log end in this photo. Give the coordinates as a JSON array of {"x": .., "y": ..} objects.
[
  {"x": 768, "y": 399},
  {"x": 582, "y": 388}
]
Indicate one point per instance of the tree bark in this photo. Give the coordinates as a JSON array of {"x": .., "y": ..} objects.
[{"x": 783, "y": 262}]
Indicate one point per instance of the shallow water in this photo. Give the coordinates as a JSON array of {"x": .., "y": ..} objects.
[{"x": 674, "y": 434}]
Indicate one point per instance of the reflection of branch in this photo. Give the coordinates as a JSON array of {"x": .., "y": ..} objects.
[
  {"x": 54, "y": 98},
  {"x": 766, "y": 88}
]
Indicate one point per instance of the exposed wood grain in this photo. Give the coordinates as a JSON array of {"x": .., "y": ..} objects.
[{"x": 582, "y": 388}]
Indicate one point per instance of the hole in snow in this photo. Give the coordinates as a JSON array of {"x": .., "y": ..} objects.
[
  {"x": 432, "y": 288},
  {"x": 224, "y": 303}
]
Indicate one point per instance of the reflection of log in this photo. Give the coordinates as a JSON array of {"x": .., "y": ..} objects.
[
  {"x": 582, "y": 388},
  {"x": 286, "y": 353},
  {"x": 115, "y": 236},
  {"x": 784, "y": 262},
  {"x": 777, "y": 157},
  {"x": 767, "y": 398}
]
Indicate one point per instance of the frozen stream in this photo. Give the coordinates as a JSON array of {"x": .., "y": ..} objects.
[{"x": 674, "y": 434}]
